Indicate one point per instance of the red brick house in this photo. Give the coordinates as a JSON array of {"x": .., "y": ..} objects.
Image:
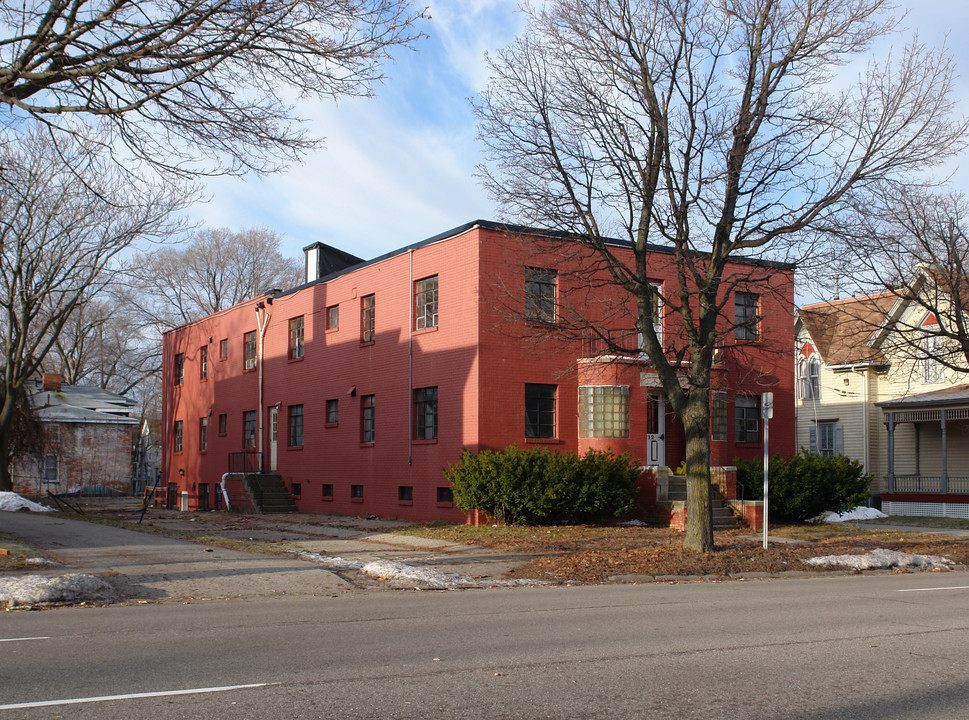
[{"x": 361, "y": 385}]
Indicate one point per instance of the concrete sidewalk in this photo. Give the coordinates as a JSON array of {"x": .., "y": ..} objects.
[{"x": 151, "y": 567}]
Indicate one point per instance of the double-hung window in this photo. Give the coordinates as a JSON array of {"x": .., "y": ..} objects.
[
  {"x": 745, "y": 316},
  {"x": 540, "y": 287},
  {"x": 295, "y": 426},
  {"x": 368, "y": 429},
  {"x": 933, "y": 371},
  {"x": 425, "y": 409},
  {"x": 540, "y": 410},
  {"x": 747, "y": 415},
  {"x": 249, "y": 430},
  {"x": 367, "y": 318},
  {"x": 425, "y": 303},
  {"x": 296, "y": 338},
  {"x": 249, "y": 350}
]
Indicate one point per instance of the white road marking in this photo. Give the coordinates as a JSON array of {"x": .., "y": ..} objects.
[
  {"x": 131, "y": 696},
  {"x": 932, "y": 589},
  {"x": 23, "y": 639}
]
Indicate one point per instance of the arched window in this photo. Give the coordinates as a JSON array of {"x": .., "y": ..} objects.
[
  {"x": 809, "y": 378},
  {"x": 814, "y": 377}
]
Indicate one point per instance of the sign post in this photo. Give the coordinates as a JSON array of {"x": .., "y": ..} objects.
[{"x": 766, "y": 412}]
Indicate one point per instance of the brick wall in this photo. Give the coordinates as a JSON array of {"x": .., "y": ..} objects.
[{"x": 479, "y": 357}]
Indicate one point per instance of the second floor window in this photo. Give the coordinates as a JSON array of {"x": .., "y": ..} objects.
[
  {"x": 178, "y": 436},
  {"x": 540, "y": 294},
  {"x": 203, "y": 433},
  {"x": 367, "y": 318},
  {"x": 203, "y": 362},
  {"x": 295, "y": 426},
  {"x": 748, "y": 419},
  {"x": 809, "y": 372},
  {"x": 249, "y": 350},
  {"x": 179, "y": 369},
  {"x": 425, "y": 303},
  {"x": 296, "y": 338},
  {"x": 933, "y": 348},
  {"x": 745, "y": 316},
  {"x": 332, "y": 412},
  {"x": 333, "y": 317}
]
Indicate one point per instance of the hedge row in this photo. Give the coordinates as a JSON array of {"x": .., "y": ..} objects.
[
  {"x": 533, "y": 487},
  {"x": 806, "y": 485}
]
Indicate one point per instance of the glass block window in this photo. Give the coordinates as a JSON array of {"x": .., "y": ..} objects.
[{"x": 604, "y": 411}]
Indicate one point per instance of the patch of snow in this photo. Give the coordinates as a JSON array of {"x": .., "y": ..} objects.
[
  {"x": 10, "y": 502},
  {"x": 38, "y": 589},
  {"x": 40, "y": 561},
  {"x": 858, "y": 513},
  {"x": 331, "y": 563},
  {"x": 880, "y": 558},
  {"x": 635, "y": 523},
  {"x": 424, "y": 577}
]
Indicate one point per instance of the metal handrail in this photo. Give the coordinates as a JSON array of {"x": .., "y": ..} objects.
[{"x": 245, "y": 462}]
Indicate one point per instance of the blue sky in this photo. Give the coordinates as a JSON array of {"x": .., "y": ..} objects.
[{"x": 400, "y": 167}]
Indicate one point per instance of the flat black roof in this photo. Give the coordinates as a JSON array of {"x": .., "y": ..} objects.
[{"x": 514, "y": 230}]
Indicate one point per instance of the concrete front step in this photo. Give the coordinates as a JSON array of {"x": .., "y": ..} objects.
[
  {"x": 723, "y": 517},
  {"x": 269, "y": 493}
]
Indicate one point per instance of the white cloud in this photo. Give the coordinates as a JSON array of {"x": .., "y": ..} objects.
[{"x": 401, "y": 166}]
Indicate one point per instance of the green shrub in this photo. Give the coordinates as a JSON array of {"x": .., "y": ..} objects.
[
  {"x": 806, "y": 485},
  {"x": 532, "y": 487}
]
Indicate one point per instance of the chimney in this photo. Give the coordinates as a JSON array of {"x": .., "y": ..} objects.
[{"x": 52, "y": 381}]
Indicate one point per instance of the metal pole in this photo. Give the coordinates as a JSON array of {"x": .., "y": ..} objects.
[{"x": 766, "y": 463}]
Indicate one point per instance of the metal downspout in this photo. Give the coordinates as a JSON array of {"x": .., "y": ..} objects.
[
  {"x": 410, "y": 363},
  {"x": 262, "y": 321}
]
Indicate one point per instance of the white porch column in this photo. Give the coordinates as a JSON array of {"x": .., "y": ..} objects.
[
  {"x": 945, "y": 457},
  {"x": 891, "y": 451}
]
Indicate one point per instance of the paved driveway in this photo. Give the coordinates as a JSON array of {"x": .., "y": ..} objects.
[{"x": 150, "y": 567}]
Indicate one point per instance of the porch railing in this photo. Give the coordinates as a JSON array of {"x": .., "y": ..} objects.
[
  {"x": 931, "y": 484},
  {"x": 248, "y": 461}
]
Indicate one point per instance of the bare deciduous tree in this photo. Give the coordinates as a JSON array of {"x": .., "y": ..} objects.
[
  {"x": 65, "y": 215},
  {"x": 189, "y": 83},
  {"x": 912, "y": 243},
  {"x": 712, "y": 127},
  {"x": 217, "y": 269}
]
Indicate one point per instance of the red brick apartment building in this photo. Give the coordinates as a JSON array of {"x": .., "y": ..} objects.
[{"x": 359, "y": 386}]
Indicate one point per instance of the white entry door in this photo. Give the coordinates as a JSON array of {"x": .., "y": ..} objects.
[
  {"x": 273, "y": 426},
  {"x": 655, "y": 429}
]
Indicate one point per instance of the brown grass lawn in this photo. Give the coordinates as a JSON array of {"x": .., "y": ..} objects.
[{"x": 587, "y": 554}]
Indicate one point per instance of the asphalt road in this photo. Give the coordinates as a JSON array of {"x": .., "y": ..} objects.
[{"x": 875, "y": 646}]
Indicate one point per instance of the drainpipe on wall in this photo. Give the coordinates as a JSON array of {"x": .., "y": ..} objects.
[
  {"x": 263, "y": 313},
  {"x": 225, "y": 492},
  {"x": 410, "y": 363}
]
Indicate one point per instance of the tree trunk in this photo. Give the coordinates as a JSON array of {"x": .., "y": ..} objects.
[
  {"x": 6, "y": 480},
  {"x": 699, "y": 518}
]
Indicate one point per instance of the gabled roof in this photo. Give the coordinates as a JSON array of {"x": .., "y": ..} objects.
[
  {"x": 80, "y": 404},
  {"x": 841, "y": 329}
]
